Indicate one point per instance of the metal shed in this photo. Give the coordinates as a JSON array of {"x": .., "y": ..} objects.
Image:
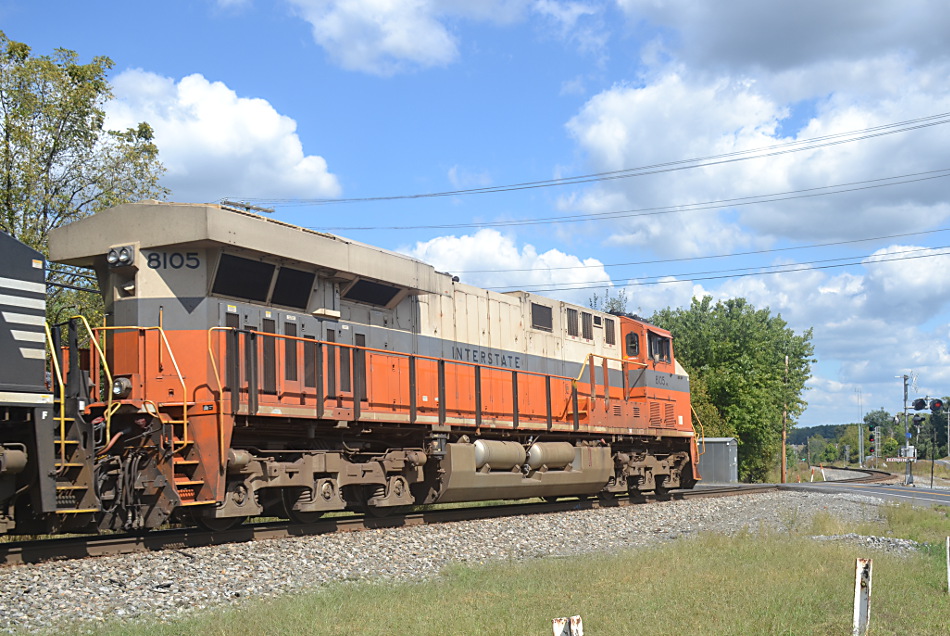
[{"x": 720, "y": 463}]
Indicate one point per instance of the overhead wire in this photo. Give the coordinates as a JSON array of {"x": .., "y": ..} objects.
[
  {"x": 803, "y": 193},
  {"x": 732, "y": 273},
  {"x": 670, "y": 166},
  {"x": 709, "y": 257}
]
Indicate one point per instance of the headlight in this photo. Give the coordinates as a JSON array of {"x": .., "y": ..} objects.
[{"x": 121, "y": 387}]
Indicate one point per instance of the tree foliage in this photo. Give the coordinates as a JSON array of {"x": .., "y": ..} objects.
[
  {"x": 737, "y": 353},
  {"x": 57, "y": 161},
  {"x": 609, "y": 304}
]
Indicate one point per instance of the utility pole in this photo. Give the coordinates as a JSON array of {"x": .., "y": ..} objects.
[
  {"x": 909, "y": 476},
  {"x": 860, "y": 429},
  {"x": 785, "y": 423}
]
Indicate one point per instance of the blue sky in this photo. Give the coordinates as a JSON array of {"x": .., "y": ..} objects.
[{"x": 293, "y": 102}]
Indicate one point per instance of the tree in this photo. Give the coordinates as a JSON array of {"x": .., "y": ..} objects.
[
  {"x": 739, "y": 352},
  {"x": 890, "y": 447},
  {"x": 611, "y": 305},
  {"x": 57, "y": 162}
]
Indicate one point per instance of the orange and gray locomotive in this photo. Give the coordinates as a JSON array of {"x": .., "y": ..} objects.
[{"x": 248, "y": 367}]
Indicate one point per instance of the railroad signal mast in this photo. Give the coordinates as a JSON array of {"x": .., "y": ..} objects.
[{"x": 910, "y": 452}]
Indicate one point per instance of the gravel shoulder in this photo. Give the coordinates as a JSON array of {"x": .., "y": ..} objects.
[{"x": 169, "y": 583}]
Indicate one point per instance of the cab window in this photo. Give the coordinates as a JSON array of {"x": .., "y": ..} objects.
[
  {"x": 659, "y": 347},
  {"x": 633, "y": 345}
]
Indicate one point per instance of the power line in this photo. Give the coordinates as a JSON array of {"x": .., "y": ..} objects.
[
  {"x": 713, "y": 256},
  {"x": 724, "y": 274},
  {"x": 671, "y": 166},
  {"x": 804, "y": 193}
]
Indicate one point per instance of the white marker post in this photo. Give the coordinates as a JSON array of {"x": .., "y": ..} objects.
[
  {"x": 572, "y": 626},
  {"x": 862, "y": 597}
]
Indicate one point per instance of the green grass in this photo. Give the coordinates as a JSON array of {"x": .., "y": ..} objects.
[{"x": 754, "y": 583}]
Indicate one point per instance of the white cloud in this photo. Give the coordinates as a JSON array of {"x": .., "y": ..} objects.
[
  {"x": 386, "y": 37},
  {"x": 915, "y": 289},
  {"x": 491, "y": 259},
  {"x": 677, "y": 115},
  {"x": 578, "y": 22},
  {"x": 783, "y": 34},
  {"x": 217, "y": 144},
  {"x": 380, "y": 36}
]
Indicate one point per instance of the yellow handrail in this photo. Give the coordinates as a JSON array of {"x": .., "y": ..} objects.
[
  {"x": 62, "y": 395},
  {"x": 702, "y": 429},
  {"x": 105, "y": 367}
]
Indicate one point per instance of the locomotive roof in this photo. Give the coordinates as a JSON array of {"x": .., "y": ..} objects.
[{"x": 153, "y": 224}]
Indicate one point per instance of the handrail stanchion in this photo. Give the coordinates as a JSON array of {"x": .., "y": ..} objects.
[
  {"x": 60, "y": 381},
  {"x": 105, "y": 367}
]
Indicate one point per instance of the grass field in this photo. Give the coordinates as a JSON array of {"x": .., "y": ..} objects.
[{"x": 754, "y": 583}]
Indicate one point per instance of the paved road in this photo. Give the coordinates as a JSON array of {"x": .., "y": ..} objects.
[{"x": 917, "y": 495}]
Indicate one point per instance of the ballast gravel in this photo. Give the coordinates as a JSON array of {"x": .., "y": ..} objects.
[{"x": 170, "y": 583}]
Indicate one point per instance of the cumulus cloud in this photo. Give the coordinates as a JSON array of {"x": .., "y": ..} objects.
[
  {"x": 491, "y": 259},
  {"x": 780, "y": 35},
  {"x": 380, "y": 37},
  {"x": 386, "y": 37},
  {"x": 678, "y": 114},
  {"x": 215, "y": 143}
]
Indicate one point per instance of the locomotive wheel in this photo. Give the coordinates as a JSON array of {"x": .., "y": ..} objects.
[
  {"x": 368, "y": 492},
  {"x": 290, "y": 497},
  {"x": 219, "y": 524}
]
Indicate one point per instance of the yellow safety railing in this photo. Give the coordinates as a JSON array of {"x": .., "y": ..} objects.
[
  {"x": 702, "y": 430},
  {"x": 105, "y": 367},
  {"x": 61, "y": 384}
]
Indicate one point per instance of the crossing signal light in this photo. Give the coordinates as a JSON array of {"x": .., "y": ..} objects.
[
  {"x": 920, "y": 404},
  {"x": 936, "y": 405}
]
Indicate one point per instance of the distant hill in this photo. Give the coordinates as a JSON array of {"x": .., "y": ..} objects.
[{"x": 828, "y": 431}]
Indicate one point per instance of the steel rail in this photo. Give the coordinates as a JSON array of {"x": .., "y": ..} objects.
[{"x": 65, "y": 548}]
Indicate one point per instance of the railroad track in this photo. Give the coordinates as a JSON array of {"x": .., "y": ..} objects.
[{"x": 20, "y": 552}]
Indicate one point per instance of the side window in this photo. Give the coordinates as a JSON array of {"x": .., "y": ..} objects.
[
  {"x": 610, "y": 336},
  {"x": 587, "y": 324},
  {"x": 572, "y": 329},
  {"x": 659, "y": 347},
  {"x": 290, "y": 351},
  {"x": 633, "y": 345},
  {"x": 542, "y": 317}
]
